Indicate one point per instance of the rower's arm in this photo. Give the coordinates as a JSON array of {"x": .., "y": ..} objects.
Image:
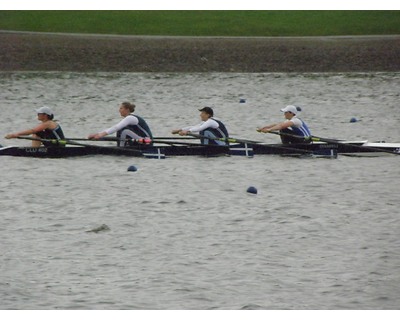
[
  {"x": 97, "y": 135},
  {"x": 263, "y": 129},
  {"x": 279, "y": 126},
  {"x": 122, "y": 124},
  {"x": 40, "y": 127},
  {"x": 202, "y": 126}
]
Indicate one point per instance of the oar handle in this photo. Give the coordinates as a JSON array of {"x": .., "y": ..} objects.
[
  {"x": 290, "y": 135},
  {"x": 63, "y": 142},
  {"x": 175, "y": 138},
  {"x": 56, "y": 142},
  {"x": 228, "y": 139},
  {"x": 177, "y": 143}
]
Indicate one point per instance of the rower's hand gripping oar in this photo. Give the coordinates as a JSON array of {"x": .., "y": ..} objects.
[{"x": 227, "y": 140}]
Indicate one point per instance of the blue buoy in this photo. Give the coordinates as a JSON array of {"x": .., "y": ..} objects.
[
  {"x": 353, "y": 119},
  {"x": 298, "y": 109},
  {"x": 252, "y": 190},
  {"x": 132, "y": 168},
  {"x": 242, "y": 100}
]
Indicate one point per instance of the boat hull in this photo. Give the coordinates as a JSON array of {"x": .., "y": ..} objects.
[
  {"x": 65, "y": 152},
  {"x": 339, "y": 148},
  {"x": 142, "y": 151},
  {"x": 201, "y": 150}
]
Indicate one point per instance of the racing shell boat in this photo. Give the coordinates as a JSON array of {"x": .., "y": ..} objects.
[{"x": 244, "y": 149}]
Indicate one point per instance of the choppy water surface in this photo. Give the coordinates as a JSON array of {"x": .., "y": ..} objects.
[{"x": 184, "y": 234}]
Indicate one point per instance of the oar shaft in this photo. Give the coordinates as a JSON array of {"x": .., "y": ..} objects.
[
  {"x": 140, "y": 142},
  {"x": 365, "y": 148},
  {"x": 64, "y": 142},
  {"x": 118, "y": 139},
  {"x": 229, "y": 139},
  {"x": 335, "y": 141},
  {"x": 56, "y": 142},
  {"x": 175, "y": 138},
  {"x": 94, "y": 140},
  {"x": 233, "y": 140},
  {"x": 290, "y": 135},
  {"x": 177, "y": 143}
]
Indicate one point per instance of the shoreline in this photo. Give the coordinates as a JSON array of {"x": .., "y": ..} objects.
[{"x": 34, "y": 51}]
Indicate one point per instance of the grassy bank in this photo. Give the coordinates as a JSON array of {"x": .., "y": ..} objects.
[{"x": 206, "y": 23}]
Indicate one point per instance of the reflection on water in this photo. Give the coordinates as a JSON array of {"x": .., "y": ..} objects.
[{"x": 182, "y": 232}]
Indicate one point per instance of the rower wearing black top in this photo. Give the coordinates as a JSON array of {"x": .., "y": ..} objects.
[{"x": 48, "y": 129}]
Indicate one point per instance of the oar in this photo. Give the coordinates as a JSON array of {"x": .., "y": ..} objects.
[
  {"x": 128, "y": 139},
  {"x": 229, "y": 139},
  {"x": 142, "y": 141},
  {"x": 104, "y": 139},
  {"x": 56, "y": 142},
  {"x": 94, "y": 140},
  {"x": 366, "y": 148},
  {"x": 177, "y": 143},
  {"x": 175, "y": 138},
  {"x": 154, "y": 139},
  {"x": 334, "y": 141},
  {"x": 234, "y": 140},
  {"x": 63, "y": 142}
]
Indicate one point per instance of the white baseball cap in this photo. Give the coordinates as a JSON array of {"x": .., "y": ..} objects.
[
  {"x": 290, "y": 108},
  {"x": 45, "y": 110}
]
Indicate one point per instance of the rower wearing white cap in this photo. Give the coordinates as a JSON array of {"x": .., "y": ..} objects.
[
  {"x": 47, "y": 130},
  {"x": 291, "y": 129}
]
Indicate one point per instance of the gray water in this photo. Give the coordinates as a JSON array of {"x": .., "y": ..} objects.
[{"x": 184, "y": 234}]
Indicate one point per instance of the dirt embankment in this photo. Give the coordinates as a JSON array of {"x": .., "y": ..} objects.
[{"x": 84, "y": 53}]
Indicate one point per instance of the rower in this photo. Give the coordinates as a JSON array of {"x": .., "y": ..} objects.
[
  {"x": 129, "y": 130},
  {"x": 49, "y": 129},
  {"x": 208, "y": 128},
  {"x": 292, "y": 130}
]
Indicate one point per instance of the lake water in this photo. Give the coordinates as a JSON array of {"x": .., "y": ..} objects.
[{"x": 183, "y": 232}]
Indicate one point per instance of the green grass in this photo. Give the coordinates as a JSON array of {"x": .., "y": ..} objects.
[{"x": 206, "y": 23}]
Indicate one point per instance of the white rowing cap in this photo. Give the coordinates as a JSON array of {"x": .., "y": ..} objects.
[
  {"x": 291, "y": 109},
  {"x": 45, "y": 110}
]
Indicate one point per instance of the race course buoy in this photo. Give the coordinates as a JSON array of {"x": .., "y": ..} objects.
[
  {"x": 353, "y": 120},
  {"x": 132, "y": 168},
  {"x": 252, "y": 190}
]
